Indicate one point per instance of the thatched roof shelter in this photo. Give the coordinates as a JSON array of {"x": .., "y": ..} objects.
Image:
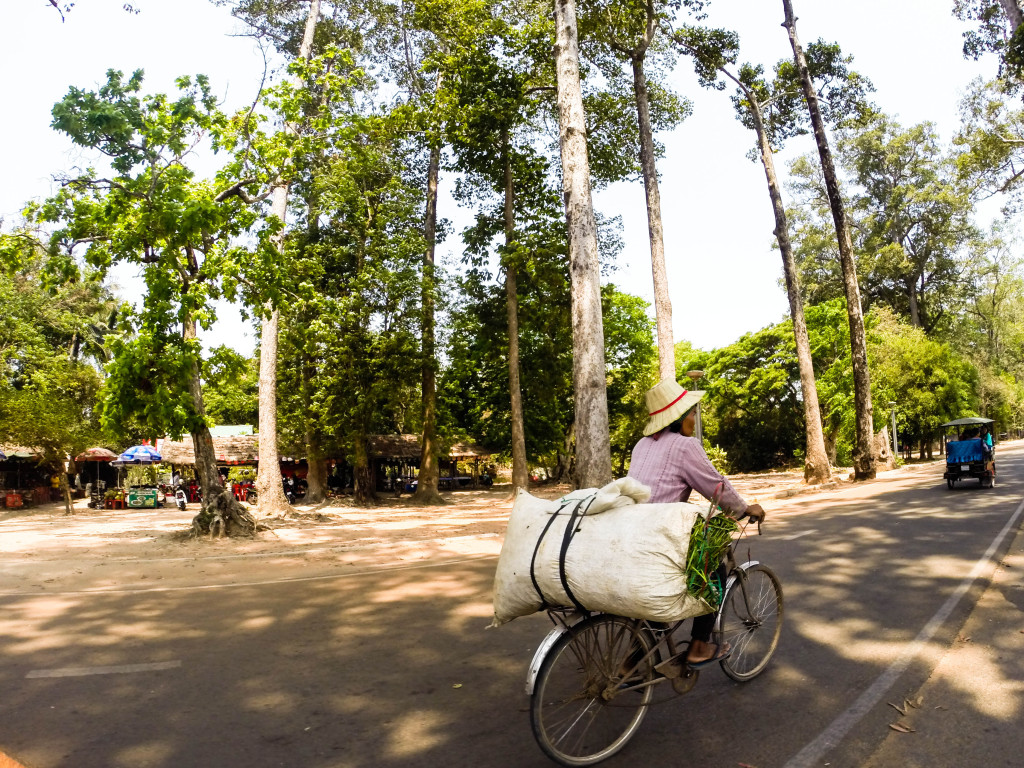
[
  {"x": 408, "y": 447},
  {"x": 236, "y": 449},
  {"x": 244, "y": 449}
]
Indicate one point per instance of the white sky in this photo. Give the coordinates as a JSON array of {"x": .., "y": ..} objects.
[{"x": 723, "y": 273}]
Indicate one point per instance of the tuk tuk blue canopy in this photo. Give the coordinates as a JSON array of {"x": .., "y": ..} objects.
[{"x": 968, "y": 421}]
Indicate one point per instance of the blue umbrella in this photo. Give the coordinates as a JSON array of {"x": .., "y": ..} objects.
[{"x": 139, "y": 454}]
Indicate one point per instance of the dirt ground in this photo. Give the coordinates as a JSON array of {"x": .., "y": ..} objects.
[{"x": 46, "y": 532}]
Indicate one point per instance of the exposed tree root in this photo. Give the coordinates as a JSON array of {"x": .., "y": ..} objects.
[
  {"x": 223, "y": 516},
  {"x": 426, "y": 499}
]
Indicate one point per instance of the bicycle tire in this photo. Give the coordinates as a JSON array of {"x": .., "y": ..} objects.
[
  {"x": 750, "y": 620},
  {"x": 582, "y": 710}
]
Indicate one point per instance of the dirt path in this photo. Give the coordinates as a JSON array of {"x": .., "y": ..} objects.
[{"x": 46, "y": 533}]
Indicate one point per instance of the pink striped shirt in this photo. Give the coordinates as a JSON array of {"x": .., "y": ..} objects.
[{"x": 672, "y": 465}]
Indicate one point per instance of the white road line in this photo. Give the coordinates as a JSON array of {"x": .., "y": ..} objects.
[
  {"x": 123, "y": 669},
  {"x": 812, "y": 754},
  {"x": 797, "y": 535},
  {"x": 266, "y": 582}
]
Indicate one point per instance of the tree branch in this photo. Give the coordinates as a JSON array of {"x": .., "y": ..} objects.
[{"x": 235, "y": 190}]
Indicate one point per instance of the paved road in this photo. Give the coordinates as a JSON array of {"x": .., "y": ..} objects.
[{"x": 386, "y": 663}]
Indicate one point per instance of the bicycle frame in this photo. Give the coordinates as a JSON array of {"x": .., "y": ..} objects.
[{"x": 564, "y": 619}]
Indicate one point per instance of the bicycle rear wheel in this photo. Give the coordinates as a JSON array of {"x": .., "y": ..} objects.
[
  {"x": 593, "y": 690},
  {"x": 750, "y": 620}
]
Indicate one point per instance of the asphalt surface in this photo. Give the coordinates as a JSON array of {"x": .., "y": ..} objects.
[{"x": 380, "y": 657}]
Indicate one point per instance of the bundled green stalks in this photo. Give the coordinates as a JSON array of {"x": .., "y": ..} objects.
[{"x": 708, "y": 541}]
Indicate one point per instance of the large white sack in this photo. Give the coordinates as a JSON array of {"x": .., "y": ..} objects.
[{"x": 625, "y": 558}]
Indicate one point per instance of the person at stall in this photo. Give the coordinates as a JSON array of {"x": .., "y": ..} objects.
[{"x": 672, "y": 463}]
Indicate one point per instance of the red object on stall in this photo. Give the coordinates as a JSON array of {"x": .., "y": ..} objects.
[{"x": 14, "y": 501}]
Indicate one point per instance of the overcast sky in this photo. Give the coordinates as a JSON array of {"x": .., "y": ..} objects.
[{"x": 723, "y": 273}]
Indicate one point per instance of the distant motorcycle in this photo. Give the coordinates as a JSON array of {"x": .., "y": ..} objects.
[{"x": 180, "y": 500}]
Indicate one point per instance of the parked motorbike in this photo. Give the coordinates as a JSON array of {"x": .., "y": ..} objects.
[{"x": 180, "y": 499}]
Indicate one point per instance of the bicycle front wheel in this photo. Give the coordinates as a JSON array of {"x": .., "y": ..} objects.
[
  {"x": 750, "y": 620},
  {"x": 593, "y": 690}
]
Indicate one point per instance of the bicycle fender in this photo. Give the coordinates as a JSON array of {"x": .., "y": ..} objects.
[
  {"x": 540, "y": 654},
  {"x": 728, "y": 585}
]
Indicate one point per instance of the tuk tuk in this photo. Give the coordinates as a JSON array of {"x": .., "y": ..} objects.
[{"x": 970, "y": 451}]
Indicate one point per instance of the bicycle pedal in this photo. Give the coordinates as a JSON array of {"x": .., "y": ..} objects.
[
  {"x": 685, "y": 683},
  {"x": 671, "y": 668}
]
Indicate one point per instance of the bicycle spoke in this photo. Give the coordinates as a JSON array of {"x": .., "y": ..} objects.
[
  {"x": 579, "y": 711},
  {"x": 751, "y": 621}
]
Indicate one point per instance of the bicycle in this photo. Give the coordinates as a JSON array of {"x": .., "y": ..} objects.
[{"x": 593, "y": 677}]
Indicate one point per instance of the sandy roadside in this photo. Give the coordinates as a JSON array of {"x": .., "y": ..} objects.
[{"x": 46, "y": 532}]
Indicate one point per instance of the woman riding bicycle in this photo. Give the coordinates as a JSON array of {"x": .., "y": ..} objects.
[{"x": 672, "y": 462}]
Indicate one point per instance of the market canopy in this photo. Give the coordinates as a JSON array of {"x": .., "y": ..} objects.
[
  {"x": 19, "y": 452},
  {"x": 139, "y": 454},
  {"x": 968, "y": 421},
  {"x": 96, "y": 454}
]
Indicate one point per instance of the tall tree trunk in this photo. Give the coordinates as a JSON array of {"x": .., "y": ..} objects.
[
  {"x": 593, "y": 446},
  {"x": 662, "y": 301},
  {"x": 316, "y": 477},
  {"x": 269, "y": 488},
  {"x": 520, "y": 472},
  {"x": 362, "y": 472},
  {"x": 221, "y": 512},
  {"x": 816, "y": 464},
  {"x": 1013, "y": 13},
  {"x": 316, "y": 474},
  {"x": 272, "y": 500},
  {"x": 915, "y": 311},
  {"x": 426, "y": 483},
  {"x": 863, "y": 455}
]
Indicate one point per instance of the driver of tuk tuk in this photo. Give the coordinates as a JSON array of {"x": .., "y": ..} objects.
[{"x": 986, "y": 441}]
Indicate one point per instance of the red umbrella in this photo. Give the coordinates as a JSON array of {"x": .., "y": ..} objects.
[{"x": 96, "y": 454}]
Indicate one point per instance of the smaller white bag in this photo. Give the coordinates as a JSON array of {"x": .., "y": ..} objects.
[{"x": 618, "y": 556}]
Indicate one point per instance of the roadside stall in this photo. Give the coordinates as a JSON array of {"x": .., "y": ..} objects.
[
  {"x": 97, "y": 476},
  {"x": 24, "y": 478},
  {"x": 236, "y": 451},
  {"x": 141, "y": 494}
]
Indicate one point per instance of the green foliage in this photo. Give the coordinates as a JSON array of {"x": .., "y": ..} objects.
[
  {"x": 752, "y": 409},
  {"x": 632, "y": 365},
  {"x": 616, "y": 36},
  {"x": 753, "y": 414},
  {"x": 990, "y": 141},
  {"x": 142, "y": 475},
  {"x": 155, "y": 214},
  {"x": 911, "y": 217},
  {"x": 231, "y": 387},
  {"x": 927, "y": 380},
  {"x": 51, "y": 341},
  {"x": 992, "y": 35},
  {"x": 829, "y": 330},
  {"x": 708, "y": 542},
  {"x": 349, "y": 356},
  {"x": 718, "y": 457}
]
